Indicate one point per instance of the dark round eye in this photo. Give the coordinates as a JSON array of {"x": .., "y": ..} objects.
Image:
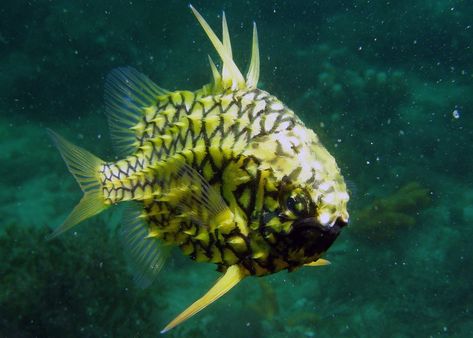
[{"x": 298, "y": 204}]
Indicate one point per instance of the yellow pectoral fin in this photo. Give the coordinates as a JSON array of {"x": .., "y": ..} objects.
[
  {"x": 318, "y": 262},
  {"x": 231, "y": 278}
]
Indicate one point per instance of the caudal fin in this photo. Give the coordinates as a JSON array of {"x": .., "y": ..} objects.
[{"x": 85, "y": 168}]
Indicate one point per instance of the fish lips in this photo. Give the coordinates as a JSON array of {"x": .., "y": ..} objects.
[{"x": 313, "y": 237}]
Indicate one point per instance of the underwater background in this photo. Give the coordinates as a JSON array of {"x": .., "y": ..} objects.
[{"x": 387, "y": 86}]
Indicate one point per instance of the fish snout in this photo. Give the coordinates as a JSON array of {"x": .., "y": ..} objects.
[{"x": 314, "y": 237}]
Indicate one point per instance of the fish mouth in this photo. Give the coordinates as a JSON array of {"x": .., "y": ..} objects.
[
  {"x": 313, "y": 237},
  {"x": 312, "y": 222}
]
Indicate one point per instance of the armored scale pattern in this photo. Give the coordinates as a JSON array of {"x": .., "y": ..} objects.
[{"x": 210, "y": 134}]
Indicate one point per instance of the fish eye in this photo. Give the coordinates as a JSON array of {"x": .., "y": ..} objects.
[{"x": 298, "y": 203}]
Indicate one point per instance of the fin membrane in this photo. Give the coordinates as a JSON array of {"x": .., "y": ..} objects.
[
  {"x": 127, "y": 94},
  {"x": 232, "y": 277},
  {"x": 201, "y": 202},
  {"x": 147, "y": 254},
  {"x": 200, "y": 191},
  {"x": 319, "y": 262},
  {"x": 84, "y": 166}
]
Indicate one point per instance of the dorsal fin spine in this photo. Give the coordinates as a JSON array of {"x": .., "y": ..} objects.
[
  {"x": 253, "y": 72},
  {"x": 216, "y": 75},
  {"x": 226, "y": 74},
  {"x": 236, "y": 78}
]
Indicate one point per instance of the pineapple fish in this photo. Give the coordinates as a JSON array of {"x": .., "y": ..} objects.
[{"x": 228, "y": 173}]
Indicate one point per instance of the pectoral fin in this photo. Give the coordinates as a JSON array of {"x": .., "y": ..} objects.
[
  {"x": 318, "y": 262},
  {"x": 231, "y": 278}
]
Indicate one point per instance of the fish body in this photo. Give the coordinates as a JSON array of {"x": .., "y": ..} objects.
[{"x": 228, "y": 173}]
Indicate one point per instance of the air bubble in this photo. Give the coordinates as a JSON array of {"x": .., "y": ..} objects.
[{"x": 456, "y": 114}]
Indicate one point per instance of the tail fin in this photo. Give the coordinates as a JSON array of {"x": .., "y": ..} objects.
[{"x": 85, "y": 168}]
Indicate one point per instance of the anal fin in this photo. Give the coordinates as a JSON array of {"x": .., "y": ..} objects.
[
  {"x": 147, "y": 254},
  {"x": 232, "y": 277}
]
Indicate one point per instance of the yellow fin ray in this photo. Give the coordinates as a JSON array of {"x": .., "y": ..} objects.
[
  {"x": 318, "y": 262},
  {"x": 227, "y": 46},
  {"x": 252, "y": 76},
  {"x": 235, "y": 78},
  {"x": 232, "y": 277},
  {"x": 203, "y": 203},
  {"x": 146, "y": 253},
  {"x": 84, "y": 166},
  {"x": 128, "y": 96},
  {"x": 216, "y": 75},
  {"x": 226, "y": 36}
]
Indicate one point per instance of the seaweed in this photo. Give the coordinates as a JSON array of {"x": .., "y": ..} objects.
[
  {"x": 73, "y": 286},
  {"x": 386, "y": 216}
]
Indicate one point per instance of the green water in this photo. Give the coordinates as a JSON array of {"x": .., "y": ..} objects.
[{"x": 386, "y": 85}]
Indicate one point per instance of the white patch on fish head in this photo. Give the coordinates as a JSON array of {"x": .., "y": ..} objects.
[
  {"x": 298, "y": 155},
  {"x": 327, "y": 186}
]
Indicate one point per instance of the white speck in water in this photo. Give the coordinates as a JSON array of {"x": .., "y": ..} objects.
[
  {"x": 367, "y": 162},
  {"x": 248, "y": 324},
  {"x": 456, "y": 114},
  {"x": 445, "y": 329},
  {"x": 75, "y": 233}
]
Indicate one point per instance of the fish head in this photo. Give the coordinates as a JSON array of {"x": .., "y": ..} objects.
[
  {"x": 311, "y": 192},
  {"x": 312, "y": 222}
]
